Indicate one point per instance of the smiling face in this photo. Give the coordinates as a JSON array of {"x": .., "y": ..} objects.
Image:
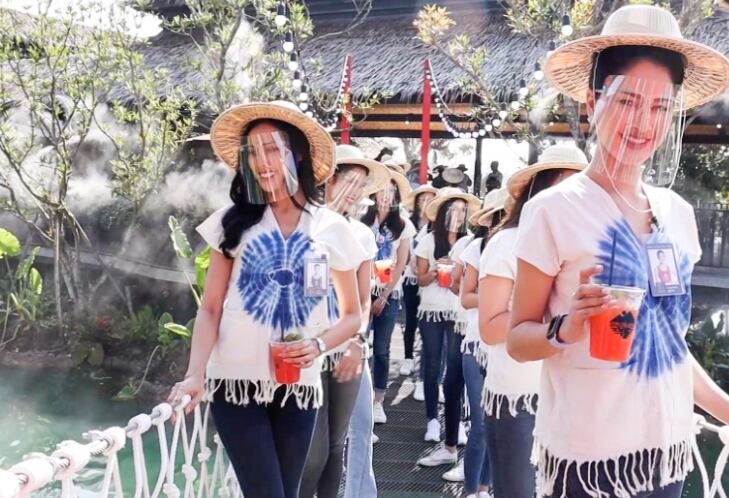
[
  {"x": 266, "y": 154},
  {"x": 632, "y": 114},
  {"x": 345, "y": 190}
]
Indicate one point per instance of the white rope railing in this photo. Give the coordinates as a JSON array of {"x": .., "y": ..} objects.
[{"x": 37, "y": 471}]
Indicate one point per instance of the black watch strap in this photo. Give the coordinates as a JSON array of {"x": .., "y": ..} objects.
[{"x": 553, "y": 331}]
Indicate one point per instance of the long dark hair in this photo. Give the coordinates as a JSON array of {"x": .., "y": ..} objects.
[
  {"x": 491, "y": 229},
  {"x": 440, "y": 231},
  {"x": 244, "y": 214},
  {"x": 415, "y": 217},
  {"x": 541, "y": 181},
  {"x": 393, "y": 220},
  {"x": 615, "y": 60}
]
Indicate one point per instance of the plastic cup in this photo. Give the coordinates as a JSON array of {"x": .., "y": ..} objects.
[
  {"x": 384, "y": 270},
  {"x": 284, "y": 373},
  {"x": 444, "y": 271},
  {"x": 612, "y": 332}
]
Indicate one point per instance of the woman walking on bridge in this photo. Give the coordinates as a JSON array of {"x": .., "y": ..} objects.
[{"x": 263, "y": 325}]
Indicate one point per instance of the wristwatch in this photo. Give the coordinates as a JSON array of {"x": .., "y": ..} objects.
[
  {"x": 553, "y": 332},
  {"x": 321, "y": 345}
]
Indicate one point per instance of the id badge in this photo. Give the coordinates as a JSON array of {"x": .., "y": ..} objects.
[
  {"x": 664, "y": 278},
  {"x": 316, "y": 275}
]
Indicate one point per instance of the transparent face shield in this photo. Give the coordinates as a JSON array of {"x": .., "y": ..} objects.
[
  {"x": 268, "y": 167},
  {"x": 346, "y": 190},
  {"x": 422, "y": 201},
  {"x": 456, "y": 216},
  {"x": 386, "y": 198},
  {"x": 636, "y": 130}
]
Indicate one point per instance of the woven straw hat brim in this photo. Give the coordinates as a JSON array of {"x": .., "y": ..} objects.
[
  {"x": 706, "y": 77},
  {"x": 395, "y": 167},
  {"x": 410, "y": 202},
  {"x": 376, "y": 172},
  {"x": 473, "y": 220},
  {"x": 225, "y": 135},
  {"x": 519, "y": 180},
  {"x": 472, "y": 202},
  {"x": 403, "y": 185},
  {"x": 485, "y": 219}
]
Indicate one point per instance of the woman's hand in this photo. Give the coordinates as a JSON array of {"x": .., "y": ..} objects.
[
  {"x": 588, "y": 300},
  {"x": 378, "y": 305},
  {"x": 350, "y": 366},
  {"x": 192, "y": 385},
  {"x": 301, "y": 353}
]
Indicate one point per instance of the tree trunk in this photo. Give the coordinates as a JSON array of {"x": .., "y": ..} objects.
[
  {"x": 477, "y": 168},
  {"x": 57, "y": 273}
]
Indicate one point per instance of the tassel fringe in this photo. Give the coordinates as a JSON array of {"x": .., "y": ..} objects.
[
  {"x": 242, "y": 391},
  {"x": 330, "y": 361},
  {"x": 478, "y": 350},
  {"x": 410, "y": 280},
  {"x": 493, "y": 402},
  {"x": 377, "y": 292},
  {"x": 437, "y": 315},
  {"x": 460, "y": 328},
  {"x": 627, "y": 473}
]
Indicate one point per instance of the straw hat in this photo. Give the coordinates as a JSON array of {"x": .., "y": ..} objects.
[
  {"x": 403, "y": 185},
  {"x": 707, "y": 71},
  {"x": 446, "y": 194},
  {"x": 422, "y": 189},
  {"x": 225, "y": 134},
  {"x": 500, "y": 200},
  {"x": 559, "y": 156},
  {"x": 391, "y": 164},
  {"x": 349, "y": 154}
]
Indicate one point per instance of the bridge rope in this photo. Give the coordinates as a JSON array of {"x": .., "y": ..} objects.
[{"x": 38, "y": 471}]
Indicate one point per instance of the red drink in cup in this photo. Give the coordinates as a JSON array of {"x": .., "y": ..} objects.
[
  {"x": 284, "y": 373},
  {"x": 612, "y": 332},
  {"x": 445, "y": 274},
  {"x": 384, "y": 270}
]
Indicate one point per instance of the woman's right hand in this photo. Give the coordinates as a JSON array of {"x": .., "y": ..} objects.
[
  {"x": 192, "y": 385},
  {"x": 588, "y": 300}
]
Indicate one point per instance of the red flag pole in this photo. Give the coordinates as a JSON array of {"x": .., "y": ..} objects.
[
  {"x": 345, "y": 124},
  {"x": 425, "y": 132}
]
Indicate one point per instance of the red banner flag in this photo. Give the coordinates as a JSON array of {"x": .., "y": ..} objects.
[
  {"x": 345, "y": 123},
  {"x": 425, "y": 132}
]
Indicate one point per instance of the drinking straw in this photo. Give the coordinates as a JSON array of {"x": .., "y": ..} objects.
[{"x": 612, "y": 258}]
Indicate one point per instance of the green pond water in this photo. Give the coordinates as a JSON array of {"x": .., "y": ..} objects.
[{"x": 40, "y": 408}]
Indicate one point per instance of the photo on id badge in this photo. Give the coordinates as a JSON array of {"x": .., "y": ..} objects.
[
  {"x": 316, "y": 275},
  {"x": 665, "y": 280}
]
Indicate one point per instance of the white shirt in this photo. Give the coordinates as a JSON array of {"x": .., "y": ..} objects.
[
  {"x": 455, "y": 254},
  {"x": 436, "y": 303},
  {"x": 266, "y": 301},
  {"x": 472, "y": 343},
  {"x": 387, "y": 248},
  {"x": 592, "y": 410},
  {"x": 507, "y": 380}
]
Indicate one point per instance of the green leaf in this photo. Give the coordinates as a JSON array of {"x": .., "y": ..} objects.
[
  {"x": 178, "y": 329},
  {"x": 9, "y": 244},
  {"x": 165, "y": 318},
  {"x": 202, "y": 264},
  {"x": 79, "y": 356},
  {"x": 36, "y": 281},
  {"x": 179, "y": 239},
  {"x": 96, "y": 355},
  {"x": 25, "y": 265},
  {"x": 127, "y": 393}
]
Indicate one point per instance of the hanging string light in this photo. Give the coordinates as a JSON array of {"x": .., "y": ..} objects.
[
  {"x": 538, "y": 73},
  {"x": 288, "y": 44},
  {"x": 567, "y": 29},
  {"x": 281, "y": 18}
]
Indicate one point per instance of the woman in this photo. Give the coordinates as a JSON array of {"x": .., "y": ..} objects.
[
  {"x": 475, "y": 470},
  {"x": 416, "y": 203},
  {"x": 393, "y": 233},
  {"x": 620, "y": 428},
  {"x": 437, "y": 313},
  {"x": 264, "y": 245},
  {"x": 510, "y": 388},
  {"x": 353, "y": 178}
]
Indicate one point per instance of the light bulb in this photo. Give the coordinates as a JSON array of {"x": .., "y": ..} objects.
[
  {"x": 718, "y": 125},
  {"x": 303, "y": 106},
  {"x": 515, "y": 105},
  {"x": 503, "y": 113},
  {"x": 288, "y": 44},
  {"x": 281, "y": 18},
  {"x": 474, "y": 134},
  {"x": 538, "y": 73},
  {"x": 523, "y": 91},
  {"x": 293, "y": 62},
  {"x": 567, "y": 29},
  {"x": 488, "y": 127},
  {"x": 303, "y": 96},
  {"x": 496, "y": 122},
  {"x": 482, "y": 132}
]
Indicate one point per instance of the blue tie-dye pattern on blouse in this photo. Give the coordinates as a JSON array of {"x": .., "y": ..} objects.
[
  {"x": 384, "y": 239},
  {"x": 662, "y": 321},
  {"x": 271, "y": 281}
]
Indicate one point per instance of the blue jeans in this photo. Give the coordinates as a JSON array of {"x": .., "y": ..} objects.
[
  {"x": 433, "y": 334},
  {"x": 476, "y": 464},
  {"x": 266, "y": 444},
  {"x": 360, "y": 481},
  {"x": 411, "y": 300},
  {"x": 510, "y": 440},
  {"x": 323, "y": 470},
  {"x": 382, "y": 327},
  {"x": 574, "y": 488}
]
